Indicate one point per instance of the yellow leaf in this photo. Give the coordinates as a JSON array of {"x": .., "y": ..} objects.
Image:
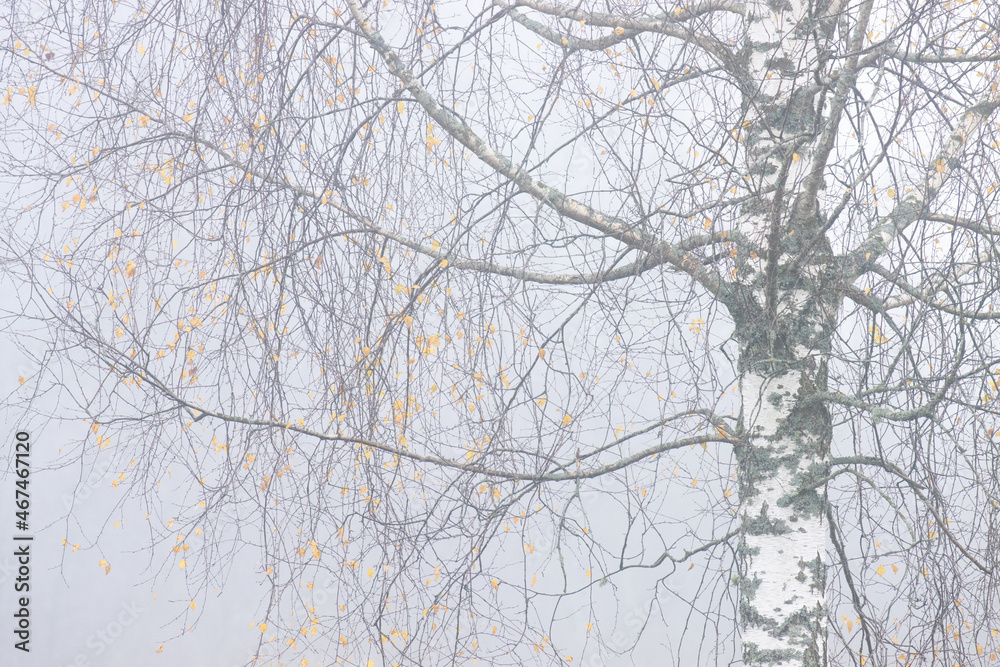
[
  {"x": 880, "y": 570},
  {"x": 263, "y": 628},
  {"x": 619, "y": 30},
  {"x": 566, "y": 420},
  {"x": 891, "y": 193},
  {"x": 877, "y": 336},
  {"x": 143, "y": 121},
  {"x": 400, "y": 107},
  {"x": 188, "y": 117},
  {"x": 193, "y": 604},
  {"x": 182, "y": 564}
]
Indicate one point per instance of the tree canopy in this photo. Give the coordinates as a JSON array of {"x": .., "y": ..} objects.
[{"x": 530, "y": 332}]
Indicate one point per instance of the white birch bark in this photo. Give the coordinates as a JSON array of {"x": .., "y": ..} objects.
[{"x": 784, "y": 323}]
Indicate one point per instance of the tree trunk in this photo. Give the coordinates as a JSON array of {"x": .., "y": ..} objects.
[
  {"x": 785, "y": 316},
  {"x": 782, "y": 548}
]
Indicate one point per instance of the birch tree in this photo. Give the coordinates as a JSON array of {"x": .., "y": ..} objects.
[{"x": 487, "y": 315}]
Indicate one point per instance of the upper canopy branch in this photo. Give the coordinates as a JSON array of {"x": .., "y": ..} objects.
[
  {"x": 565, "y": 205},
  {"x": 926, "y": 296},
  {"x": 451, "y": 259},
  {"x": 569, "y": 41},
  {"x": 986, "y": 229},
  {"x": 913, "y": 207},
  {"x": 648, "y": 260},
  {"x": 648, "y": 23},
  {"x": 873, "y": 59},
  {"x": 667, "y": 24}
]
